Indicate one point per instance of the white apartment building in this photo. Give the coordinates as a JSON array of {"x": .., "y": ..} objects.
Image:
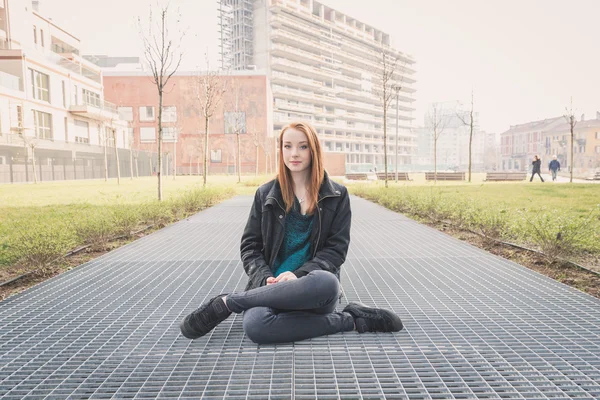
[
  {"x": 324, "y": 67},
  {"x": 51, "y": 100}
]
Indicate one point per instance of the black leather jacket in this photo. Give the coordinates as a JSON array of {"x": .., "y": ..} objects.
[{"x": 263, "y": 236}]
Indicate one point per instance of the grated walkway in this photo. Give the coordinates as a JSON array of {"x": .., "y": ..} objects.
[{"x": 476, "y": 326}]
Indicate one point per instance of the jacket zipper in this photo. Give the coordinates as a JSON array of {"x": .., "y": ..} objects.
[
  {"x": 319, "y": 234},
  {"x": 274, "y": 254}
]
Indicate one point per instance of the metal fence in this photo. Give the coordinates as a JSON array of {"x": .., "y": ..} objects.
[{"x": 17, "y": 166}]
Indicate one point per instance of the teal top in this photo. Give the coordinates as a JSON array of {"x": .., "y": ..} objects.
[{"x": 295, "y": 249}]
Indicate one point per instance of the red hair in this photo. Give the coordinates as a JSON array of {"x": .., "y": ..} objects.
[{"x": 317, "y": 171}]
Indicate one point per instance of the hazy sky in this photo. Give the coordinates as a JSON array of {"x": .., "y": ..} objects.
[{"x": 524, "y": 59}]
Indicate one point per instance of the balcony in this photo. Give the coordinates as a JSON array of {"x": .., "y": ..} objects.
[
  {"x": 96, "y": 109},
  {"x": 10, "y": 81},
  {"x": 74, "y": 63}
]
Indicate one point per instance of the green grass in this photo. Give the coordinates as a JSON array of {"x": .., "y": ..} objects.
[
  {"x": 67, "y": 210},
  {"x": 558, "y": 219}
]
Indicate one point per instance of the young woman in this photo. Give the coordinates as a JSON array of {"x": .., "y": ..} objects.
[{"x": 294, "y": 244}]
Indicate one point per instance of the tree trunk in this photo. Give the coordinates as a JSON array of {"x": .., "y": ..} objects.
[
  {"x": 385, "y": 167},
  {"x": 174, "y": 160},
  {"x": 256, "y": 170},
  {"x": 105, "y": 156},
  {"x": 572, "y": 145},
  {"x": 470, "y": 147},
  {"x": 114, "y": 132},
  {"x": 396, "y": 148},
  {"x": 434, "y": 157},
  {"x": 239, "y": 161},
  {"x": 205, "y": 172},
  {"x": 160, "y": 136},
  {"x": 130, "y": 162},
  {"x": 35, "y": 180}
]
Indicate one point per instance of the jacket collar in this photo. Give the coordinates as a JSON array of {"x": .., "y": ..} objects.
[{"x": 327, "y": 189}]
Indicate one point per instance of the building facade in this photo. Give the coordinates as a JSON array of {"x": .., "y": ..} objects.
[
  {"x": 324, "y": 67},
  {"x": 243, "y": 108},
  {"x": 551, "y": 137},
  {"x": 52, "y": 109}
]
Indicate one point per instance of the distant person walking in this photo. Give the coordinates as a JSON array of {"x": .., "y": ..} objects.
[
  {"x": 553, "y": 167},
  {"x": 537, "y": 165}
]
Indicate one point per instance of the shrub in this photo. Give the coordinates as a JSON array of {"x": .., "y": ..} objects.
[
  {"x": 559, "y": 235},
  {"x": 97, "y": 231},
  {"x": 156, "y": 213},
  {"x": 126, "y": 219},
  {"x": 37, "y": 248}
]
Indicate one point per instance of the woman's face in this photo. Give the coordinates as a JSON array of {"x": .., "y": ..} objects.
[{"x": 296, "y": 151}]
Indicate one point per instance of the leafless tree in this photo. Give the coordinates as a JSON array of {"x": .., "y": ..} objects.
[
  {"x": 30, "y": 143},
  {"x": 468, "y": 120},
  {"x": 236, "y": 122},
  {"x": 437, "y": 123},
  {"x": 131, "y": 141},
  {"x": 164, "y": 58},
  {"x": 113, "y": 135},
  {"x": 256, "y": 142},
  {"x": 210, "y": 93},
  {"x": 385, "y": 89},
  {"x": 572, "y": 121},
  {"x": 104, "y": 139}
]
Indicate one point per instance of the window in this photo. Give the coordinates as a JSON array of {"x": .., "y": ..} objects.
[
  {"x": 215, "y": 156},
  {"x": 40, "y": 84},
  {"x": 43, "y": 124},
  {"x": 64, "y": 94},
  {"x": 66, "y": 129},
  {"x": 169, "y": 133},
  {"x": 82, "y": 132},
  {"x": 34, "y": 34},
  {"x": 147, "y": 113},
  {"x": 91, "y": 98},
  {"x": 75, "y": 95},
  {"x": 169, "y": 114},
  {"x": 235, "y": 122},
  {"x": 125, "y": 113},
  {"x": 597, "y": 149},
  {"x": 42, "y": 37},
  {"x": 148, "y": 134}
]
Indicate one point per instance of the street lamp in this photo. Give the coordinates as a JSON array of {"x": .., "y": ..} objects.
[{"x": 397, "y": 90}]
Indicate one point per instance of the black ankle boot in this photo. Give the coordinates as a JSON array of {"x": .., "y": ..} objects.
[
  {"x": 369, "y": 319},
  {"x": 205, "y": 318}
]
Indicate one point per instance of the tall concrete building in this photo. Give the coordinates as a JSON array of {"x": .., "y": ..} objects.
[{"x": 324, "y": 67}]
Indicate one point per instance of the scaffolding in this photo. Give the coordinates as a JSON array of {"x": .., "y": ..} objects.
[{"x": 236, "y": 34}]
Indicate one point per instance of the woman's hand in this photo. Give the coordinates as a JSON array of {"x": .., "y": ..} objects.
[
  {"x": 271, "y": 280},
  {"x": 286, "y": 276}
]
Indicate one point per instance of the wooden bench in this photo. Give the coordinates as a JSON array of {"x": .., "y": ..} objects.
[
  {"x": 402, "y": 176},
  {"x": 595, "y": 177},
  {"x": 505, "y": 176},
  {"x": 357, "y": 176},
  {"x": 445, "y": 176}
]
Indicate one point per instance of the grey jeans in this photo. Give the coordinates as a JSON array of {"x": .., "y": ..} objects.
[{"x": 293, "y": 310}]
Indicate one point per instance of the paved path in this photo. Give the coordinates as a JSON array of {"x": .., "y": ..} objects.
[{"x": 476, "y": 326}]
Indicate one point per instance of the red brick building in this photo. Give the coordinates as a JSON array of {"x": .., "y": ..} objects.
[{"x": 245, "y": 107}]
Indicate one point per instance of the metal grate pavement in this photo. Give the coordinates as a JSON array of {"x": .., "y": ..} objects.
[{"x": 476, "y": 326}]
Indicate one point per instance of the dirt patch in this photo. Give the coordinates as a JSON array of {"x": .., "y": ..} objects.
[
  {"x": 33, "y": 278},
  {"x": 580, "y": 279},
  {"x": 568, "y": 274}
]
